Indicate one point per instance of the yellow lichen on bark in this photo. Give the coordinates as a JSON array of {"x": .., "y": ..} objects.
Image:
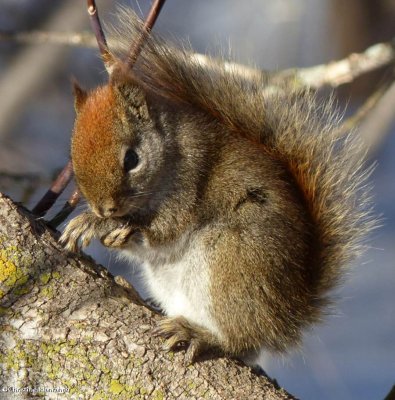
[{"x": 10, "y": 272}]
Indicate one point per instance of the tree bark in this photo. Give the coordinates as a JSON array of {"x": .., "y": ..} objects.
[{"x": 69, "y": 330}]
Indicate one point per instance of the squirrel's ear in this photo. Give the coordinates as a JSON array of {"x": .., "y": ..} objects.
[
  {"x": 130, "y": 94},
  {"x": 80, "y": 96}
]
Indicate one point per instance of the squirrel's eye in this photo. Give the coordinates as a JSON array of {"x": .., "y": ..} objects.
[{"x": 130, "y": 161}]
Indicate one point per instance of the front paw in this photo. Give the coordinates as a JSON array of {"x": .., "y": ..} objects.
[
  {"x": 118, "y": 237},
  {"x": 87, "y": 226},
  {"x": 81, "y": 228}
]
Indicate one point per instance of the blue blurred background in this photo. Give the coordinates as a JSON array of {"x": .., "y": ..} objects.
[{"x": 350, "y": 356}]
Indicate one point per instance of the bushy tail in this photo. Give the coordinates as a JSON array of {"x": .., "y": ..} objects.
[{"x": 292, "y": 126}]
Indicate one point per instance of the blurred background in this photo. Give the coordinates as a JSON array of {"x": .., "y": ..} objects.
[{"x": 350, "y": 356}]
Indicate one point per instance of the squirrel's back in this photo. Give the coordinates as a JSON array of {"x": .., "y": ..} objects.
[{"x": 291, "y": 125}]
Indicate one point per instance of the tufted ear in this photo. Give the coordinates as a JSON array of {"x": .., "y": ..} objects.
[
  {"x": 80, "y": 96},
  {"x": 130, "y": 94}
]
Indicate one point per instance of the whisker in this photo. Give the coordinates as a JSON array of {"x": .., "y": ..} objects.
[
  {"x": 141, "y": 194},
  {"x": 136, "y": 207}
]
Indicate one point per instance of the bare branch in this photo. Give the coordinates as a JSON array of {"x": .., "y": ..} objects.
[
  {"x": 340, "y": 72},
  {"x": 99, "y": 34},
  {"x": 333, "y": 74},
  {"x": 149, "y": 22},
  {"x": 65, "y": 176},
  {"x": 376, "y": 125},
  {"x": 83, "y": 39},
  {"x": 362, "y": 112},
  {"x": 54, "y": 191},
  {"x": 66, "y": 210}
]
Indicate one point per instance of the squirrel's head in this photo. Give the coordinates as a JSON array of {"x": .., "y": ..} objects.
[{"x": 117, "y": 149}]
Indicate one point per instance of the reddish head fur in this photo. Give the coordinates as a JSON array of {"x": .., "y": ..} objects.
[{"x": 95, "y": 149}]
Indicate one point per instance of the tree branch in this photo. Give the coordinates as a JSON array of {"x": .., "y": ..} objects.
[
  {"x": 66, "y": 324},
  {"x": 76, "y": 39},
  {"x": 99, "y": 34},
  {"x": 332, "y": 74},
  {"x": 337, "y": 73},
  {"x": 363, "y": 111}
]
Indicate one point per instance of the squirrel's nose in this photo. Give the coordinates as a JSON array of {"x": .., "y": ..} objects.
[
  {"x": 108, "y": 212},
  {"x": 105, "y": 212}
]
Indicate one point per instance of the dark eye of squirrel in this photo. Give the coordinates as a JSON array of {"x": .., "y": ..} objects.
[{"x": 130, "y": 161}]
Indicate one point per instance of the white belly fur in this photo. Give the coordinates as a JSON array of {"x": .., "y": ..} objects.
[{"x": 177, "y": 278}]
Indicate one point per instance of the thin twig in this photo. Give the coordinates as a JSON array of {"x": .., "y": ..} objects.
[
  {"x": 57, "y": 187},
  {"x": 67, "y": 209},
  {"x": 346, "y": 70},
  {"x": 362, "y": 112},
  {"x": 65, "y": 176},
  {"x": 137, "y": 45},
  {"x": 377, "y": 123},
  {"x": 83, "y": 39},
  {"x": 99, "y": 34},
  {"x": 332, "y": 74},
  {"x": 108, "y": 62}
]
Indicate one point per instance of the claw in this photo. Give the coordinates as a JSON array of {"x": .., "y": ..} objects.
[
  {"x": 117, "y": 238},
  {"x": 179, "y": 333},
  {"x": 69, "y": 238},
  {"x": 194, "y": 349}
]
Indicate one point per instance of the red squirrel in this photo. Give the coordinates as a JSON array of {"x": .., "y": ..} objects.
[{"x": 237, "y": 199}]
